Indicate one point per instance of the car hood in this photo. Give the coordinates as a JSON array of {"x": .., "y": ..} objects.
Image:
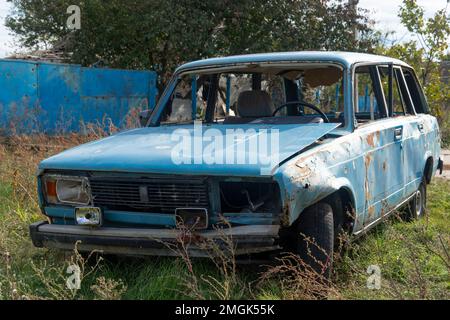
[{"x": 172, "y": 150}]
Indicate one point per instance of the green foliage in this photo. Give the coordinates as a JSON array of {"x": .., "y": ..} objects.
[
  {"x": 159, "y": 35},
  {"x": 433, "y": 33}
]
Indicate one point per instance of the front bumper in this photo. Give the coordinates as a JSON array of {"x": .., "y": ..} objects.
[{"x": 160, "y": 242}]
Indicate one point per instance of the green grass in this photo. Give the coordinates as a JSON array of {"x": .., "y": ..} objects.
[{"x": 413, "y": 258}]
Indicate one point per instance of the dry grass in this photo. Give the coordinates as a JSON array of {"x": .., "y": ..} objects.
[{"x": 298, "y": 281}]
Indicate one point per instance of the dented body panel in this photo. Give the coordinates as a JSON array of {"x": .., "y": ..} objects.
[{"x": 377, "y": 162}]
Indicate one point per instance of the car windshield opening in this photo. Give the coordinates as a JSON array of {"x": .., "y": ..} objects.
[{"x": 311, "y": 93}]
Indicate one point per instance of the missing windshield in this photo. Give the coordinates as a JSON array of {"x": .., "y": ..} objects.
[{"x": 263, "y": 95}]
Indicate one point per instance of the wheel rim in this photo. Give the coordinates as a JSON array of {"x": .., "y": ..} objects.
[{"x": 419, "y": 203}]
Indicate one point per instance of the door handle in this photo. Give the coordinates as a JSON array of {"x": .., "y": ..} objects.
[
  {"x": 420, "y": 126},
  {"x": 398, "y": 132}
]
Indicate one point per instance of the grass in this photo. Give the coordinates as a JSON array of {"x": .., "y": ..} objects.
[{"x": 413, "y": 257}]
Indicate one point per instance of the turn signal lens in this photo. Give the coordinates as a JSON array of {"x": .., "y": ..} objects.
[{"x": 50, "y": 191}]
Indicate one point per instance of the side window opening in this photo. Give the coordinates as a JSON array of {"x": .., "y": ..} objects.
[
  {"x": 398, "y": 101},
  {"x": 415, "y": 90},
  {"x": 369, "y": 101},
  {"x": 404, "y": 91}
]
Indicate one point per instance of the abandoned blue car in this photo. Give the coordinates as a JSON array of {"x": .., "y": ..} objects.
[{"x": 274, "y": 151}]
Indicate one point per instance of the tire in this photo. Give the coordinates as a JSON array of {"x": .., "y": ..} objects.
[
  {"x": 316, "y": 224},
  {"x": 417, "y": 205}
]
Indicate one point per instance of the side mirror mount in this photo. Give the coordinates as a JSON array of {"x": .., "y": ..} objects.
[{"x": 144, "y": 116}]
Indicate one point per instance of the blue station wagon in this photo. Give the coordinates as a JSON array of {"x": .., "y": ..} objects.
[{"x": 273, "y": 151}]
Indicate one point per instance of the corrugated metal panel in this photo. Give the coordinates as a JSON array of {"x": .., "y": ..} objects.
[{"x": 48, "y": 97}]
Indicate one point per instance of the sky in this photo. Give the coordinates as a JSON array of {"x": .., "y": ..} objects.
[{"x": 384, "y": 12}]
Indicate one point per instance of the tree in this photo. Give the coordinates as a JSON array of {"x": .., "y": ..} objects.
[
  {"x": 159, "y": 35},
  {"x": 425, "y": 56},
  {"x": 433, "y": 34}
]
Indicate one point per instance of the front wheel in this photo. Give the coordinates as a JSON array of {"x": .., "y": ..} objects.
[{"x": 316, "y": 238}]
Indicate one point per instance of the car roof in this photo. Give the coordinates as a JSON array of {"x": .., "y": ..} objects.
[{"x": 345, "y": 58}]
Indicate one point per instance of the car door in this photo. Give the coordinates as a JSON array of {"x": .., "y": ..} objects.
[
  {"x": 422, "y": 133},
  {"x": 411, "y": 132},
  {"x": 396, "y": 132},
  {"x": 381, "y": 139}
]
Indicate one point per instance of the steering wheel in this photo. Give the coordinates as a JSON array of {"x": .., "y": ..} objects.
[{"x": 302, "y": 103}]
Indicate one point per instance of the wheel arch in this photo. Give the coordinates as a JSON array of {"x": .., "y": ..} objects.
[
  {"x": 344, "y": 204},
  {"x": 428, "y": 169}
]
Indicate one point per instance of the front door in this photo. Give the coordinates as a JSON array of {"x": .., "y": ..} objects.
[{"x": 382, "y": 138}]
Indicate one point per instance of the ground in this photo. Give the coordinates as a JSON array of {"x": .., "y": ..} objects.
[{"x": 412, "y": 257}]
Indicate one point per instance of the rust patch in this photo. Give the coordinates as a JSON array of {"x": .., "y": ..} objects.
[
  {"x": 367, "y": 162},
  {"x": 366, "y": 190},
  {"x": 284, "y": 219},
  {"x": 303, "y": 169},
  {"x": 371, "y": 211},
  {"x": 370, "y": 140}
]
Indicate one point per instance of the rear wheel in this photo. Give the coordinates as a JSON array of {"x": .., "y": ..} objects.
[
  {"x": 316, "y": 238},
  {"x": 417, "y": 205}
]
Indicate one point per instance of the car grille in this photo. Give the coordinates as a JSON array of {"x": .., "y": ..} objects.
[{"x": 159, "y": 195}]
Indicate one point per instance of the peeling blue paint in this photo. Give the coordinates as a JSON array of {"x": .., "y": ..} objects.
[{"x": 50, "y": 97}]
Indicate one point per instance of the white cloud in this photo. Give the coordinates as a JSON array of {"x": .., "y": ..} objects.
[{"x": 385, "y": 13}]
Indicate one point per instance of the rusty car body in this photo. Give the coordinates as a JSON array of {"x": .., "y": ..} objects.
[{"x": 355, "y": 142}]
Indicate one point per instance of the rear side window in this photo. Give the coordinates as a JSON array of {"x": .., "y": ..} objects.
[
  {"x": 415, "y": 90},
  {"x": 399, "y": 106}
]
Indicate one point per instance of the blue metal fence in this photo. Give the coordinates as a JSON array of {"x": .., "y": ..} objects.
[{"x": 49, "y": 97}]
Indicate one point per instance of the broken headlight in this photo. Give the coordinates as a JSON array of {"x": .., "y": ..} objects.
[
  {"x": 66, "y": 190},
  {"x": 246, "y": 197}
]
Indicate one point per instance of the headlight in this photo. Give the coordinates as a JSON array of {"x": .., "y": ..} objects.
[{"x": 67, "y": 190}]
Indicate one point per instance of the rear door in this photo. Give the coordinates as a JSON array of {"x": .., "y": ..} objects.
[{"x": 423, "y": 133}]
